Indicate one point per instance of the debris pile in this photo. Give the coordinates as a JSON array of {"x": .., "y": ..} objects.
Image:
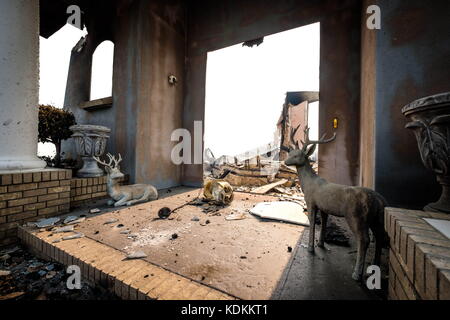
[
  {"x": 207, "y": 207},
  {"x": 25, "y": 277},
  {"x": 259, "y": 174}
]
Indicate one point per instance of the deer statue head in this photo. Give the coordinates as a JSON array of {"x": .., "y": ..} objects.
[
  {"x": 299, "y": 154},
  {"x": 112, "y": 168}
]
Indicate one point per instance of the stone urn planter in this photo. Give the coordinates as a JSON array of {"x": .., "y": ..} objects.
[
  {"x": 430, "y": 121},
  {"x": 90, "y": 141}
]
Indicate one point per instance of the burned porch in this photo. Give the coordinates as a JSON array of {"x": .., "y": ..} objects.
[{"x": 203, "y": 251}]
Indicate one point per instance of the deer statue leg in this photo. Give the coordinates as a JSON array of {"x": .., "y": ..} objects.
[
  {"x": 361, "y": 231},
  {"x": 312, "y": 228},
  {"x": 323, "y": 229},
  {"x": 379, "y": 235},
  {"x": 122, "y": 202},
  {"x": 363, "y": 244},
  {"x": 144, "y": 198}
]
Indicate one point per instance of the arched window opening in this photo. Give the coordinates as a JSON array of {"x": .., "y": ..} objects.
[{"x": 102, "y": 71}]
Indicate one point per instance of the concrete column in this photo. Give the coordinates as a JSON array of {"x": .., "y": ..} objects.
[{"x": 19, "y": 84}]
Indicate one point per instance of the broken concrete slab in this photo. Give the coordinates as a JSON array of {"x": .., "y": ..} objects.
[
  {"x": 136, "y": 255},
  {"x": 73, "y": 237},
  {"x": 64, "y": 229},
  {"x": 282, "y": 211},
  {"x": 77, "y": 221},
  {"x": 70, "y": 219},
  {"x": 45, "y": 223}
]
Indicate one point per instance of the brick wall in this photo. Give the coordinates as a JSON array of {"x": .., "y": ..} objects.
[
  {"x": 419, "y": 259},
  {"x": 31, "y": 196},
  {"x": 86, "y": 189}
]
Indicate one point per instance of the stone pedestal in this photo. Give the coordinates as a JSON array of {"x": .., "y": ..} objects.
[{"x": 19, "y": 84}]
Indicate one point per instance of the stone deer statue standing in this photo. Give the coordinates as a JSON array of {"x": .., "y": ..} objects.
[
  {"x": 125, "y": 195},
  {"x": 362, "y": 208}
]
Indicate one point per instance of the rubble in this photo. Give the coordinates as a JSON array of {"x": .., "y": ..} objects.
[
  {"x": 265, "y": 189},
  {"x": 70, "y": 219},
  {"x": 63, "y": 229},
  {"x": 30, "y": 278},
  {"x": 45, "y": 223},
  {"x": 136, "y": 255},
  {"x": 253, "y": 174},
  {"x": 77, "y": 221},
  {"x": 111, "y": 221},
  {"x": 204, "y": 224},
  {"x": 236, "y": 216},
  {"x": 4, "y": 273},
  {"x": 257, "y": 167},
  {"x": 73, "y": 237}
]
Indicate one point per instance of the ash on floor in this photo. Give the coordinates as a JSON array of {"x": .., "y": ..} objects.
[{"x": 23, "y": 276}]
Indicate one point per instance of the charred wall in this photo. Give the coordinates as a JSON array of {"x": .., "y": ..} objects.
[
  {"x": 149, "y": 39},
  {"x": 412, "y": 60}
]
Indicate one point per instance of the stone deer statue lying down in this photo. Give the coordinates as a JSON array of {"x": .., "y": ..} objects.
[
  {"x": 125, "y": 195},
  {"x": 362, "y": 208}
]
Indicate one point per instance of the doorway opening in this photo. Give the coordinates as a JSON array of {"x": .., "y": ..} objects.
[{"x": 255, "y": 92}]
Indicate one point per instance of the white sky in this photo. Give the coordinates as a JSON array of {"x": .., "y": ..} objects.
[
  {"x": 54, "y": 64},
  {"x": 102, "y": 70},
  {"x": 246, "y": 88}
]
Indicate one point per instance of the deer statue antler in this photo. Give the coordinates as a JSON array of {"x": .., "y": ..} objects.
[
  {"x": 109, "y": 165},
  {"x": 322, "y": 140},
  {"x": 117, "y": 161},
  {"x": 294, "y": 144},
  {"x": 111, "y": 160}
]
